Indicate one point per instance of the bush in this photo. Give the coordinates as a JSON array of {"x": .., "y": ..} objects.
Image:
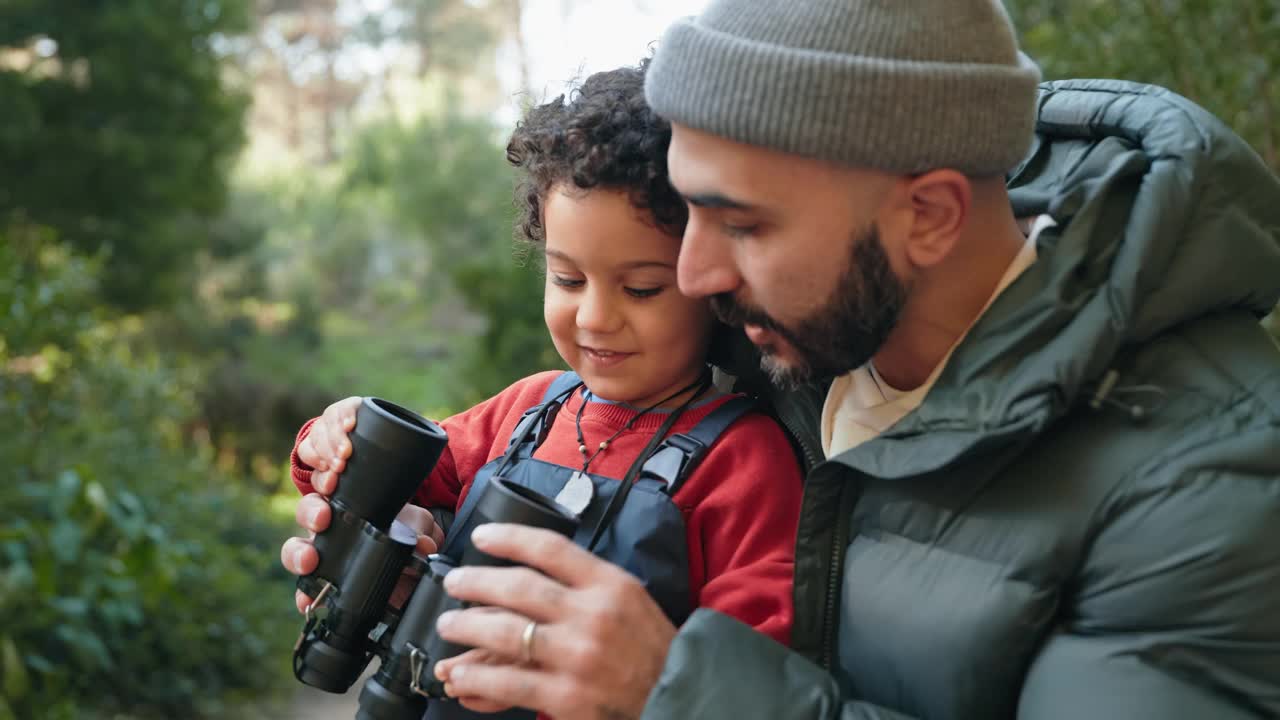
[{"x": 132, "y": 576}]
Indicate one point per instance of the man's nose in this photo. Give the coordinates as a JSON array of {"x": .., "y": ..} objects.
[{"x": 706, "y": 264}]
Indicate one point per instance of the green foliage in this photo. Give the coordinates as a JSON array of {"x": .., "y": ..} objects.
[
  {"x": 132, "y": 571},
  {"x": 515, "y": 342},
  {"x": 136, "y": 556},
  {"x": 248, "y": 409},
  {"x": 399, "y": 276},
  {"x": 1220, "y": 54},
  {"x": 118, "y": 129},
  {"x": 348, "y": 307},
  {"x": 448, "y": 180}
]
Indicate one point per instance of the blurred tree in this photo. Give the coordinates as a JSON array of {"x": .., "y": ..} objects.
[
  {"x": 446, "y": 34},
  {"x": 397, "y": 245},
  {"x": 131, "y": 570},
  {"x": 448, "y": 180},
  {"x": 248, "y": 409},
  {"x": 297, "y": 49},
  {"x": 119, "y": 128},
  {"x": 315, "y": 62},
  {"x": 1223, "y": 55}
]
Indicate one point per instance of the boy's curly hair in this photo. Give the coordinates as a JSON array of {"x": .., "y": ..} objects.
[{"x": 603, "y": 136}]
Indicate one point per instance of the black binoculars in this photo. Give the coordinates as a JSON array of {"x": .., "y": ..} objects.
[{"x": 365, "y": 551}]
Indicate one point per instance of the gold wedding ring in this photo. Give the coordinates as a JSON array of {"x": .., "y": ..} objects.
[{"x": 526, "y": 641}]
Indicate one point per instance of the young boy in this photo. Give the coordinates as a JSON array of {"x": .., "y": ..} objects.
[{"x": 617, "y": 440}]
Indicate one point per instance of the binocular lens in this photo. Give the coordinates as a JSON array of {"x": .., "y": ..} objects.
[{"x": 507, "y": 502}]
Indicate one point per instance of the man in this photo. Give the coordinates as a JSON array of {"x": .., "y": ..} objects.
[{"x": 1018, "y": 335}]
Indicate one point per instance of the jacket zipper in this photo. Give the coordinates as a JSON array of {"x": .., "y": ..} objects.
[
  {"x": 839, "y": 541},
  {"x": 828, "y": 644},
  {"x": 826, "y": 659},
  {"x": 811, "y": 458}
]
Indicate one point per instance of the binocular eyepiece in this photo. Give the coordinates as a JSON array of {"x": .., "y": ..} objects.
[{"x": 365, "y": 551}]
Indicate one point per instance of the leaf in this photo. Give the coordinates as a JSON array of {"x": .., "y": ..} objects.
[
  {"x": 97, "y": 497},
  {"x": 16, "y": 682},
  {"x": 87, "y": 646},
  {"x": 65, "y": 539},
  {"x": 68, "y": 483},
  {"x": 40, "y": 664},
  {"x": 75, "y": 608}
]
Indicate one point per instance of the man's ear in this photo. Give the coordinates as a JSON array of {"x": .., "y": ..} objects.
[{"x": 940, "y": 202}]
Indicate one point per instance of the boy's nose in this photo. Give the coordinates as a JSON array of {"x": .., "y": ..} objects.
[{"x": 597, "y": 312}]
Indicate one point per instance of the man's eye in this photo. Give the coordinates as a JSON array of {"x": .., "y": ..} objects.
[
  {"x": 565, "y": 282},
  {"x": 643, "y": 292},
  {"x": 738, "y": 232}
]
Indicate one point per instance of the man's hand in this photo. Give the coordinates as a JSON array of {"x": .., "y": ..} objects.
[
  {"x": 482, "y": 657},
  {"x": 598, "y": 646}
]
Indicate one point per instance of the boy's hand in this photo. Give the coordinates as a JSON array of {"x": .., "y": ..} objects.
[
  {"x": 327, "y": 447},
  {"x": 299, "y": 556}
]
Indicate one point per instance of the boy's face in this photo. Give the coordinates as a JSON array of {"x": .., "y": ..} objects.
[{"x": 612, "y": 306}]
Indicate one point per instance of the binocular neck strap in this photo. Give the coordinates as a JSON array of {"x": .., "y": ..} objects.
[{"x": 624, "y": 488}]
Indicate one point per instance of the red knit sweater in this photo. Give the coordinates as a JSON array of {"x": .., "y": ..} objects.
[{"x": 740, "y": 505}]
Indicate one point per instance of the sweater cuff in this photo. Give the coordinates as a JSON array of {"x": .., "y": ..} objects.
[{"x": 299, "y": 471}]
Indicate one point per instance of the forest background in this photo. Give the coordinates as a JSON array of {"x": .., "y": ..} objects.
[{"x": 218, "y": 216}]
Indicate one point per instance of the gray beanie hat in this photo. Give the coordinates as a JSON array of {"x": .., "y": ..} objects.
[{"x": 903, "y": 86}]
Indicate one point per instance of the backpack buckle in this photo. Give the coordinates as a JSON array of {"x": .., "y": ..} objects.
[
  {"x": 526, "y": 422},
  {"x": 673, "y": 460}
]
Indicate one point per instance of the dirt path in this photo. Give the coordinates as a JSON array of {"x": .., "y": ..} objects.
[
  {"x": 305, "y": 703},
  {"x": 312, "y": 704}
]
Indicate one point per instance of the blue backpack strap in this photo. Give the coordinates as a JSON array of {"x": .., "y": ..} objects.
[
  {"x": 678, "y": 455},
  {"x": 566, "y": 381},
  {"x": 534, "y": 421}
]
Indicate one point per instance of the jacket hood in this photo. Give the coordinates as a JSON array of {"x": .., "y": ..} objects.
[{"x": 1164, "y": 216}]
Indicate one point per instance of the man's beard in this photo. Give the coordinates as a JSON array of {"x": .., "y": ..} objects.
[{"x": 845, "y": 332}]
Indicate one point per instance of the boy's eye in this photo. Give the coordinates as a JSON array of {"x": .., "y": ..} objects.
[
  {"x": 565, "y": 282},
  {"x": 643, "y": 292}
]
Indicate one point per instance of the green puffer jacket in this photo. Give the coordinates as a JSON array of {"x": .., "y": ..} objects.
[{"x": 1083, "y": 518}]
